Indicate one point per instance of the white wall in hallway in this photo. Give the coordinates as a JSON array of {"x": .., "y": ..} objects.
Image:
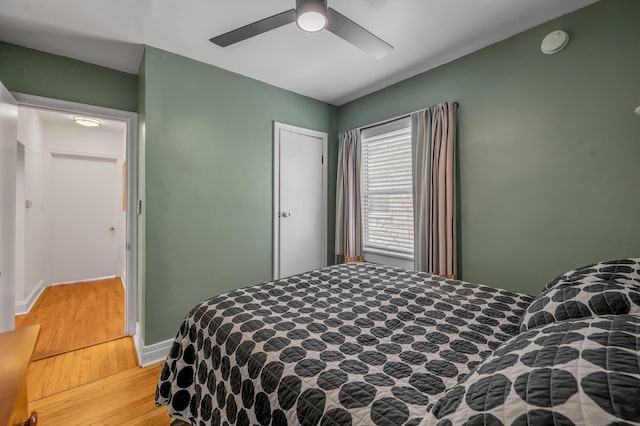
[
  {"x": 77, "y": 139},
  {"x": 36, "y": 172}
]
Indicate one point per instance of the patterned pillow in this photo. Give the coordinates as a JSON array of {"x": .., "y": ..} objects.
[
  {"x": 581, "y": 300},
  {"x": 605, "y": 288},
  {"x": 625, "y": 270},
  {"x": 580, "y": 371}
]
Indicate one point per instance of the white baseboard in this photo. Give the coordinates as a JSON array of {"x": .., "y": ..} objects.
[
  {"x": 88, "y": 280},
  {"x": 123, "y": 280},
  {"x": 25, "y": 306},
  {"x": 152, "y": 354},
  {"x": 155, "y": 353}
]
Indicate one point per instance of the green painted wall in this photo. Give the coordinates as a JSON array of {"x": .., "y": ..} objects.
[
  {"x": 209, "y": 155},
  {"x": 38, "y": 73},
  {"x": 549, "y": 145}
]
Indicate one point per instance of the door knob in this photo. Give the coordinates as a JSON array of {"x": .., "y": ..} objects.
[
  {"x": 113, "y": 228},
  {"x": 285, "y": 214}
]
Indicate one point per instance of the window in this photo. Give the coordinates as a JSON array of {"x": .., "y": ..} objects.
[{"x": 387, "y": 189}]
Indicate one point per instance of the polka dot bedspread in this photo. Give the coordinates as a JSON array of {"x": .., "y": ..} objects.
[{"x": 353, "y": 344}]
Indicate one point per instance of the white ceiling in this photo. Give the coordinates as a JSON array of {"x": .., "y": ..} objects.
[{"x": 424, "y": 33}]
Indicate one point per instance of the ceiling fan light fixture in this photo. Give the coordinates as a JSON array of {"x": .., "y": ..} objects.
[{"x": 311, "y": 15}]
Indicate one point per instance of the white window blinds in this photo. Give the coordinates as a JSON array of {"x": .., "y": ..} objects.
[{"x": 387, "y": 194}]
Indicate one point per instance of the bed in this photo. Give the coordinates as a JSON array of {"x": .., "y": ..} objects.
[
  {"x": 366, "y": 344},
  {"x": 358, "y": 343}
]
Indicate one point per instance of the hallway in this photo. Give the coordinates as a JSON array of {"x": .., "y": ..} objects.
[{"x": 74, "y": 316}]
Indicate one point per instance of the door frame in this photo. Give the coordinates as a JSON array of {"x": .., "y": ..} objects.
[
  {"x": 8, "y": 160},
  {"x": 277, "y": 127},
  {"x": 19, "y": 273},
  {"x": 133, "y": 210}
]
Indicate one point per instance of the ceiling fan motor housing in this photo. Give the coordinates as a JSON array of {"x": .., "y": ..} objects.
[
  {"x": 319, "y": 6},
  {"x": 310, "y": 6}
]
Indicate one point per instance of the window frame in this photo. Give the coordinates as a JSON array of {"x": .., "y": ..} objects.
[{"x": 400, "y": 126}]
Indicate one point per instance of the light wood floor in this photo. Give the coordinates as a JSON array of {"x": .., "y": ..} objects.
[
  {"x": 56, "y": 374},
  {"x": 124, "y": 398},
  {"x": 74, "y": 316},
  {"x": 97, "y": 384}
]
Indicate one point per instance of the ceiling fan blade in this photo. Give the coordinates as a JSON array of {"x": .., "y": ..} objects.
[
  {"x": 255, "y": 28},
  {"x": 348, "y": 30}
]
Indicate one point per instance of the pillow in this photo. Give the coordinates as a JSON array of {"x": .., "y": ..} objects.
[
  {"x": 626, "y": 270},
  {"x": 605, "y": 288},
  {"x": 580, "y": 371},
  {"x": 581, "y": 300}
]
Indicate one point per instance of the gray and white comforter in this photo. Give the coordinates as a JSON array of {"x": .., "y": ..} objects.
[{"x": 349, "y": 344}]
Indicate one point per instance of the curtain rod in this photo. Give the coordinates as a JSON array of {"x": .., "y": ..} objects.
[{"x": 399, "y": 117}]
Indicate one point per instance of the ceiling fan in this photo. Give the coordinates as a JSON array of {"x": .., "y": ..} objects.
[{"x": 311, "y": 16}]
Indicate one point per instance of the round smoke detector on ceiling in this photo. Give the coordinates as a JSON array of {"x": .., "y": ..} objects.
[{"x": 554, "y": 42}]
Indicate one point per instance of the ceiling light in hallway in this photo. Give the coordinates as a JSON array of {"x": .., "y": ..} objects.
[{"x": 87, "y": 122}]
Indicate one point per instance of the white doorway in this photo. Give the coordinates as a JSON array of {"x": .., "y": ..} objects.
[
  {"x": 8, "y": 157},
  {"x": 300, "y": 200},
  {"x": 69, "y": 164},
  {"x": 83, "y": 206}
]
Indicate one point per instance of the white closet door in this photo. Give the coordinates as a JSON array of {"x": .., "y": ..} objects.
[
  {"x": 301, "y": 209},
  {"x": 84, "y": 202}
]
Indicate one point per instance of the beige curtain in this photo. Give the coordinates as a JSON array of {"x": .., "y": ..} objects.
[
  {"x": 434, "y": 189},
  {"x": 348, "y": 210}
]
